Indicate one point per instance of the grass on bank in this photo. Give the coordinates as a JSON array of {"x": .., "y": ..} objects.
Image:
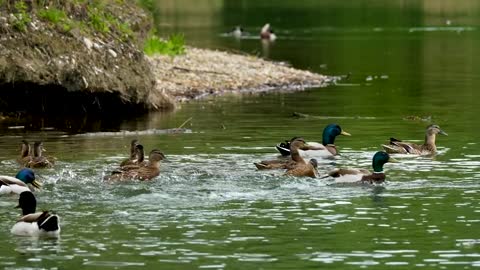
[{"x": 174, "y": 45}]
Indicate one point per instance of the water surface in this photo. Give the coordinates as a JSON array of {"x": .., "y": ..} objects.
[{"x": 211, "y": 209}]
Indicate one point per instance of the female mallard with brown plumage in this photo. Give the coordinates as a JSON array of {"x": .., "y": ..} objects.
[
  {"x": 143, "y": 173},
  {"x": 427, "y": 148},
  {"x": 25, "y": 156},
  {"x": 285, "y": 163},
  {"x": 304, "y": 169},
  {"x": 38, "y": 160},
  {"x": 298, "y": 166},
  {"x": 133, "y": 154},
  {"x": 350, "y": 175},
  {"x": 138, "y": 161}
]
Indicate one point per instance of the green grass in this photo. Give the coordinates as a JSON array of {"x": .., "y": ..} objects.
[
  {"x": 175, "y": 45},
  {"x": 52, "y": 15},
  {"x": 22, "y": 18}
]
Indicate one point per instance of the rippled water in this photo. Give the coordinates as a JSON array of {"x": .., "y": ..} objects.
[{"x": 210, "y": 208}]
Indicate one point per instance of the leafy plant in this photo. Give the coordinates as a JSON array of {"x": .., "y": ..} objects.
[
  {"x": 22, "y": 18},
  {"x": 175, "y": 45},
  {"x": 53, "y": 15}
]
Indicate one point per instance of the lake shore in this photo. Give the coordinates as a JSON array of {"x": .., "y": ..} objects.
[{"x": 201, "y": 72}]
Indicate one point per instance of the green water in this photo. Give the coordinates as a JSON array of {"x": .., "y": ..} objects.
[{"x": 211, "y": 209}]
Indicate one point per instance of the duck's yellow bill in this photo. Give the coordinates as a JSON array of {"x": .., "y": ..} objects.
[
  {"x": 345, "y": 133},
  {"x": 36, "y": 184},
  {"x": 392, "y": 160}
]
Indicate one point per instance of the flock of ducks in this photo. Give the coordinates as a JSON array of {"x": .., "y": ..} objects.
[
  {"x": 135, "y": 167},
  {"x": 46, "y": 223},
  {"x": 295, "y": 151}
]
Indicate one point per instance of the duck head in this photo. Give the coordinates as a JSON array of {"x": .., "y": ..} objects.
[
  {"x": 25, "y": 148},
  {"x": 330, "y": 132},
  {"x": 314, "y": 163},
  {"x": 298, "y": 143},
  {"x": 156, "y": 156},
  {"x": 133, "y": 144},
  {"x": 38, "y": 149},
  {"x": 139, "y": 153},
  {"x": 379, "y": 159},
  {"x": 435, "y": 129},
  {"x": 28, "y": 177},
  {"x": 27, "y": 203}
]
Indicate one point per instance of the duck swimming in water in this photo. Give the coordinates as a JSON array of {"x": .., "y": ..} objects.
[
  {"x": 427, "y": 148},
  {"x": 237, "y": 32},
  {"x": 35, "y": 224},
  {"x": 23, "y": 181},
  {"x": 304, "y": 169},
  {"x": 38, "y": 160},
  {"x": 350, "y": 175},
  {"x": 326, "y": 149},
  {"x": 143, "y": 173},
  {"x": 133, "y": 154},
  {"x": 25, "y": 156},
  {"x": 286, "y": 163},
  {"x": 267, "y": 33}
]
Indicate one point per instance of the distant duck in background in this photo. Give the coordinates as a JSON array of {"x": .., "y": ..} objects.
[
  {"x": 237, "y": 32},
  {"x": 326, "y": 149},
  {"x": 267, "y": 33},
  {"x": 38, "y": 160},
  {"x": 350, "y": 175},
  {"x": 35, "y": 224},
  {"x": 25, "y": 155},
  {"x": 23, "y": 181},
  {"x": 427, "y": 148}
]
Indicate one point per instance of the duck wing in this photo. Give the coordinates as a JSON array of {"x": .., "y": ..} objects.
[{"x": 9, "y": 180}]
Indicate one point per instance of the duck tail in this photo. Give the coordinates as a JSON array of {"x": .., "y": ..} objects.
[
  {"x": 260, "y": 165},
  {"x": 48, "y": 222}
]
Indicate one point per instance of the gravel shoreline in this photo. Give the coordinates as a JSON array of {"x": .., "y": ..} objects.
[{"x": 200, "y": 72}]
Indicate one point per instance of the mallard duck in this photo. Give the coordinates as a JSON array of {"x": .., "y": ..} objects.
[
  {"x": 326, "y": 149},
  {"x": 133, "y": 154},
  {"x": 38, "y": 160},
  {"x": 427, "y": 148},
  {"x": 25, "y": 157},
  {"x": 19, "y": 183},
  {"x": 35, "y": 224},
  {"x": 285, "y": 163},
  {"x": 147, "y": 172},
  {"x": 237, "y": 32},
  {"x": 139, "y": 159},
  {"x": 304, "y": 169},
  {"x": 267, "y": 33},
  {"x": 362, "y": 175}
]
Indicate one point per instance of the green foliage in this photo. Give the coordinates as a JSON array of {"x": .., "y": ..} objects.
[
  {"x": 52, "y": 15},
  {"x": 22, "y": 18},
  {"x": 97, "y": 20},
  {"x": 147, "y": 4},
  {"x": 175, "y": 45}
]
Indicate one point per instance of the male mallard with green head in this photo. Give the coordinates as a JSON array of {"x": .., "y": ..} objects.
[
  {"x": 23, "y": 181},
  {"x": 35, "y": 224},
  {"x": 326, "y": 149},
  {"x": 427, "y": 148},
  {"x": 362, "y": 175},
  {"x": 38, "y": 160},
  {"x": 143, "y": 173}
]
